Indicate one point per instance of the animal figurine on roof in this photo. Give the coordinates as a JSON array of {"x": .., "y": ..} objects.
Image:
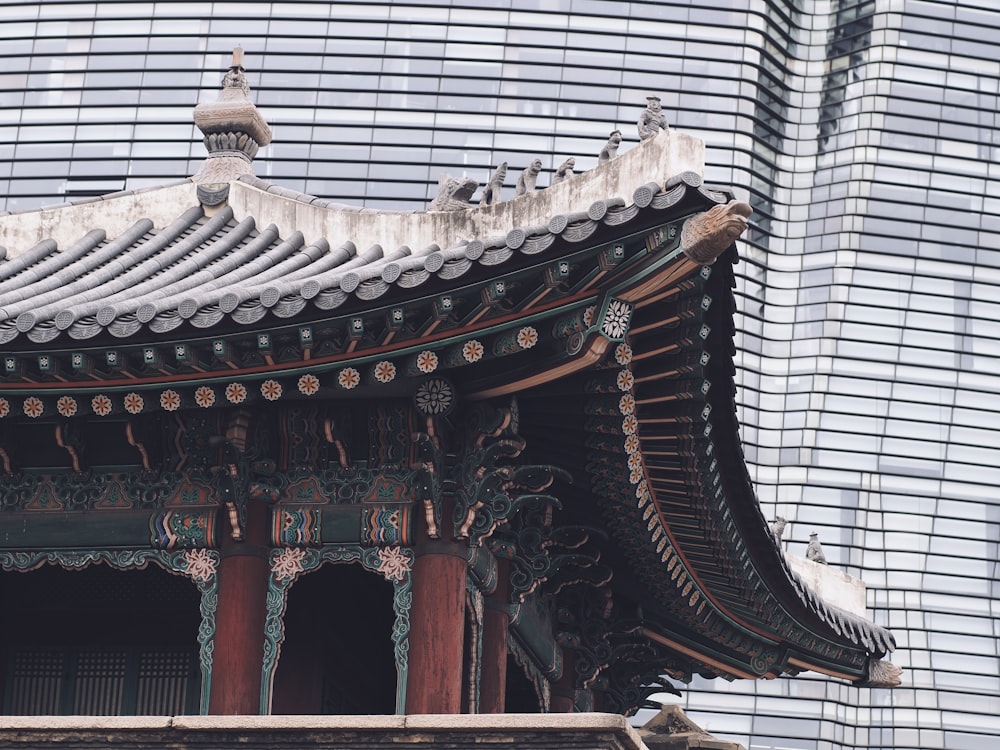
[
  {"x": 528, "y": 178},
  {"x": 565, "y": 171},
  {"x": 778, "y": 527},
  {"x": 491, "y": 193},
  {"x": 652, "y": 120},
  {"x": 610, "y": 149},
  {"x": 453, "y": 194},
  {"x": 814, "y": 550}
]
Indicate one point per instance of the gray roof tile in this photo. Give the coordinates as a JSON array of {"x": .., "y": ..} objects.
[{"x": 207, "y": 269}]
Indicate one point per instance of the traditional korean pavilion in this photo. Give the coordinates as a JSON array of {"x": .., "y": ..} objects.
[{"x": 265, "y": 453}]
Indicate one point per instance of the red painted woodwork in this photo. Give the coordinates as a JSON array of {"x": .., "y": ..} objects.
[
  {"x": 496, "y": 621},
  {"x": 437, "y": 628},
  {"x": 564, "y": 690},
  {"x": 239, "y": 619}
]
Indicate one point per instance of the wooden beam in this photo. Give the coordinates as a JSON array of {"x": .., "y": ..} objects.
[{"x": 698, "y": 655}]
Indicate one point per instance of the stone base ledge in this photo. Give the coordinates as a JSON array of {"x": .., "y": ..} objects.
[{"x": 460, "y": 732}]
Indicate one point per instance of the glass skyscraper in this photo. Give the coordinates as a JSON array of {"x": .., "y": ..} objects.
[{"x": 865, "y": 133}]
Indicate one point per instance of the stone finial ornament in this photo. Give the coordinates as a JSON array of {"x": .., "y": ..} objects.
[
  {"x": 492, "y": 191},
  {"x": 564, "y": 172},
  {"x": 454, "y": 193},
  {"x": 652, "y": 120},
  {"x": 814, "y": 550},
  {"x": 234, "y": 131},
  {"x": 778, "y": 527},
  {"x": 528, "y": 178},
  {"x": 610, "y": 149},
  {"x": 706, "y": 236}
]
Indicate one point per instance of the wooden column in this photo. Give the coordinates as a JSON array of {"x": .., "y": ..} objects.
[
  {"x": 496, "y": 624},
  {"x": 564, "y": 689},
  {"x": 239, "y": 618},
  {"x": 437, "y": 629}
]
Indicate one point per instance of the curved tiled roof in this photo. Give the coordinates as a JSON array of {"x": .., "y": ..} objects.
[{"x": 206, "y": 270}]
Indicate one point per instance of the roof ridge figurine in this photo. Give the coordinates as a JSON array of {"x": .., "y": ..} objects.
[
  {"x": 564, "y": 171},
  {"x": 814, "y": 550},
  {"x": 528, "y": 177},
  {"x": 610, "y": 150},
  {"x": 778, "y": 527},
  {"x": 454, "y": 193},
  {"x": 652, "y": 119},
  {"x": 492, "y": 192}
]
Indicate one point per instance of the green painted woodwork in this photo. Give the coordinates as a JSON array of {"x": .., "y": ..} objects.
[
  {"x": 532, "y": 628},
  {"x": 73, "y": 529},
  {"x": 483, "y": 569},
  {"x": 368, "y": 524}
]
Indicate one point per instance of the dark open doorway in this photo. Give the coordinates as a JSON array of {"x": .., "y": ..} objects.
[
  {"x": 337, "y": 656},
  {"x": 521, "y": 697}
]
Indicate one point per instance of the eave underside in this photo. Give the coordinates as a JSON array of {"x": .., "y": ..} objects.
[{"x": 662, "y": 452}]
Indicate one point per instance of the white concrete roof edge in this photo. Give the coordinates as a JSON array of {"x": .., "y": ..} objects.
[{"x": 656, "y": 160}]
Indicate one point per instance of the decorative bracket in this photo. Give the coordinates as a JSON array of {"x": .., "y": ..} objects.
[
  {"x": 232, "y": 480},
  {"x": 636, "y": 672},
  {"x": 427, "y": 463},
  {"x": 613, "y": 657},
  {"x": 490, "y": 488},
  {"x": 540, "y": 553}
]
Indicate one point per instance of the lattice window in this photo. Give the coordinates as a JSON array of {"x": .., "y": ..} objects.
[
  {"x": 34, "y": 681},
  {"x": 100, "y": 679},
  {"x": 164, "y": 682},
  {"x": 101, "y": 682}
]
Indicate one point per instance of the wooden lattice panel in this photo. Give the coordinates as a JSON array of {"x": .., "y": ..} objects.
[
  {"x": 164, "y": 678},
  {"x": 35, "y": 679},
  {"x": 99, "y": 684}
]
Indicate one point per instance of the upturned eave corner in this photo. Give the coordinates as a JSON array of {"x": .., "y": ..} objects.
[{"x": 770, "y": 626}]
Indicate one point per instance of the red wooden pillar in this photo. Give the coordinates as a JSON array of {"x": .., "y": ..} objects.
[
  {"x": 563, "y": 699},
  {"x": 496, "y": 623},
  {"x": 239, "y": 619},
  {"x": 437, "y": 629}
]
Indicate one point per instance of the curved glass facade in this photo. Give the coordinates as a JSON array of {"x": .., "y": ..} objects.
[{"x": 866, "y": 134}]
